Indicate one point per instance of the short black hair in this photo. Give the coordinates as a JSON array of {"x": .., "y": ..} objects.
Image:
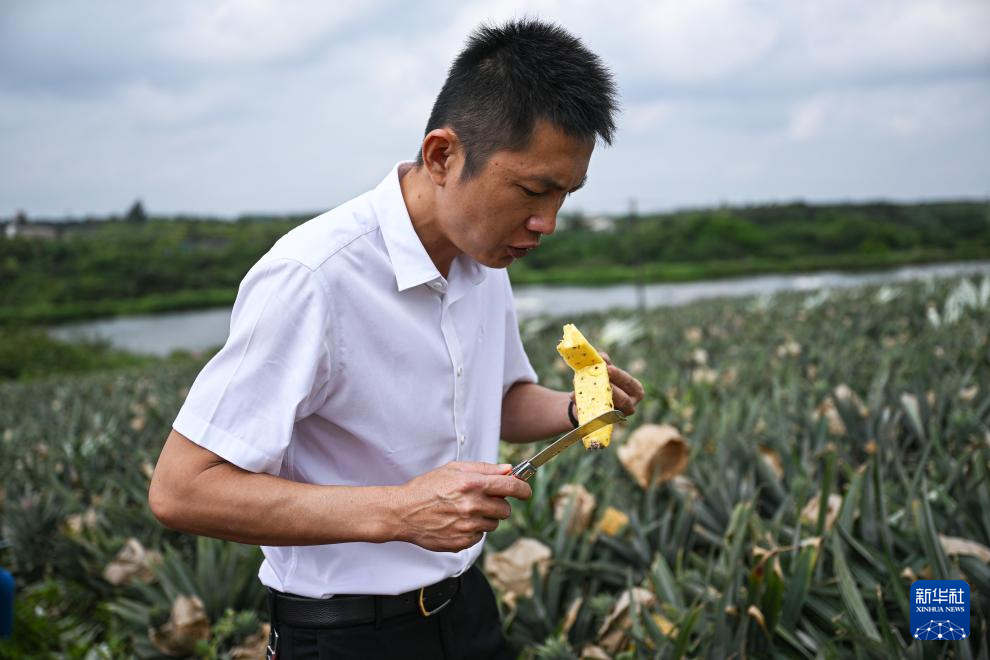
[{"x": 509, "y": 76}]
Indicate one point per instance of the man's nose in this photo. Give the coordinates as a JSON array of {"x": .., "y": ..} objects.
[{"x": 544, "y": 223}]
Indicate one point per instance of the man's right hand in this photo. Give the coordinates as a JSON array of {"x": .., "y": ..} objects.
[{"x": 449, "y": 508}]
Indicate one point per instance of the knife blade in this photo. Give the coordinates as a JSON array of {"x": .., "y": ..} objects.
[{"x": 528, "y": 468}]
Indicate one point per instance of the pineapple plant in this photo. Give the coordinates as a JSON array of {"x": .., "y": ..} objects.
[{"x": 837, "y": 448}]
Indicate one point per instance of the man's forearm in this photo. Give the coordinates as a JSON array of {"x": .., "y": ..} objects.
[
  {"x": 446, "y": 509},
  {"x": 227, "y": 502},
  {"x": 533, "y": 412}
]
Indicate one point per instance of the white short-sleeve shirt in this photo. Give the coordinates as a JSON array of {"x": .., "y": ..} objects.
[{"x": 352, "y": 361}]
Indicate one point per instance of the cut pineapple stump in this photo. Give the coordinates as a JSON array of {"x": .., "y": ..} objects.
[{"x": 592, "y": 390}]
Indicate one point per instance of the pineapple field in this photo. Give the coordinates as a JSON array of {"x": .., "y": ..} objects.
[{"x": 797, "y": 463}]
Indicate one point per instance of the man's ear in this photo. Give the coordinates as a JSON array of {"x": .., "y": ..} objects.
[{"x": 441, "y": 152}]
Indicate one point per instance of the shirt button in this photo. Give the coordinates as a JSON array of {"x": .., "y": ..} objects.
[
  {"x": 463, "y": 439},
  {"x": 460, "y": 370}
]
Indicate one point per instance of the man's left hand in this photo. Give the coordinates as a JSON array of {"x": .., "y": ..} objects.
[{"x": 627, "y": 392}]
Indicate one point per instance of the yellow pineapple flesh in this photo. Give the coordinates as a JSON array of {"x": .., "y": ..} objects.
[{"x": 592, "y": 389}]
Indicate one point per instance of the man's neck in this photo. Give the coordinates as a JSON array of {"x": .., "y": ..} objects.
[{"x": 419, "y": 195}]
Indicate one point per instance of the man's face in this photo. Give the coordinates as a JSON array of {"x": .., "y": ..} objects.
[{"x": 500, "y": 214}]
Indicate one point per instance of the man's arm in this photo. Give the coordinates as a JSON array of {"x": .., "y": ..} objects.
[
  {"x": 194, "y": 490},
  {"x": 533, "y": 412}
]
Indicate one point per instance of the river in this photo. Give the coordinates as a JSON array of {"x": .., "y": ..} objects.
[{"x": 160, "y": 334}]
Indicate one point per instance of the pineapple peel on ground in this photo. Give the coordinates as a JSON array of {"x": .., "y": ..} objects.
[{"x": 592, "y": 389}]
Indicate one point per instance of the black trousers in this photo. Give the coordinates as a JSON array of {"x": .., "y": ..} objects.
[{"x": 468, "y": 628}]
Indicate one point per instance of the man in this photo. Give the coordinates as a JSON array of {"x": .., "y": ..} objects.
[{"x": 350, "y": 424}]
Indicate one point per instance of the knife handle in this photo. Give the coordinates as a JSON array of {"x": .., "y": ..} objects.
[{"x": 524, "y": 471}]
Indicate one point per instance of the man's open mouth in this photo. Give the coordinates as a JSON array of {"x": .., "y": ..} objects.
[{"x": 521, "y": 251}]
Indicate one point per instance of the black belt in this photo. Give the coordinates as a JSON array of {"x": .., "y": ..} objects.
[{"x": 346, "y": 610}]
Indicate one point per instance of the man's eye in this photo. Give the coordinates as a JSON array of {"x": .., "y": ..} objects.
[{"x": 530, "y": 193}]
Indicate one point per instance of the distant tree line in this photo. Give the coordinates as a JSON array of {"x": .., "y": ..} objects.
[
  {"x": 761, "y": 232},
  {"x": 176, "y": 262},
  {"x": 117, "y": 260}
]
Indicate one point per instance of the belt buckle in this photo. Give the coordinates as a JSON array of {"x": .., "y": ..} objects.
[{"x": 427, "y": 613}]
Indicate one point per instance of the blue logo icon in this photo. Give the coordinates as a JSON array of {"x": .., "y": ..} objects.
[{"x": 939, "y": 610}]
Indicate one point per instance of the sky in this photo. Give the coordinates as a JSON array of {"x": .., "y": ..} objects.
[{"x": 230, "y": 107}]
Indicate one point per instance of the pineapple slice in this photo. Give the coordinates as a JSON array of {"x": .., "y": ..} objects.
[{"x": 591, "y": 386}]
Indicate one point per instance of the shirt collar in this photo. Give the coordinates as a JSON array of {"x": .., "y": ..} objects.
[{"x": 410, "y": 261}]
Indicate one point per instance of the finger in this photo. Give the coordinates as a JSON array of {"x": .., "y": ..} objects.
[
  {"x": 482, "y": 468},
  {"x": 496, "y": 507},
  {"x": 485, "y": 506},
  {"x": 605, "y": 357},
  {"x": 626, "y": 382},
  {"x": 629, "y": 404},
  {"x": 508, "y": 486},
  {"x": 488, "y": 524},
  {"x": 626, "y": 400},
  {"x": 621, "y": 401}
]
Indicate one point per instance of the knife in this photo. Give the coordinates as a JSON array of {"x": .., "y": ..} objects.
[{"x": 527, "y": 469}]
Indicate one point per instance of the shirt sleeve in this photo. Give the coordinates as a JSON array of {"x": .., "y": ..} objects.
[
  {"x": 273, "y": 370},
  {"x": 517, "y": 365}
]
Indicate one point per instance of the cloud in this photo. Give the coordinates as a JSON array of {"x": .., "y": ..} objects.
[
  {"x": 242, "y": 32},
  {"x": 647, "y": 116},
  {"x": 808, "y": 117},
  {"x": 224, "y": 106},
  {"x": 695, "y": 43},
  {"x": 888, "y": 39},
  {"x": 906, "y": 112}
]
